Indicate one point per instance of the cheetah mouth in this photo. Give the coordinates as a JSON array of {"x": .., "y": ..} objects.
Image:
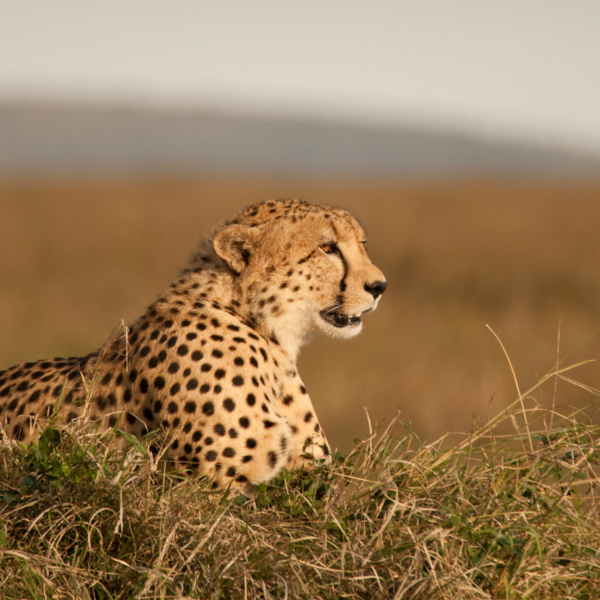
[{"x": 337, "y": 319}]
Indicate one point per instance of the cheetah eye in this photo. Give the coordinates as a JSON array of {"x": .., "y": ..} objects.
[{"x": 329, "y": 248}]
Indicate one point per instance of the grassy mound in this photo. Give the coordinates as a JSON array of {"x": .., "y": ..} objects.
[{"x": 487, "y": 516}]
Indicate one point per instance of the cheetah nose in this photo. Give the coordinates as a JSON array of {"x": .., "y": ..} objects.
[{"x": 376, "y": 288}]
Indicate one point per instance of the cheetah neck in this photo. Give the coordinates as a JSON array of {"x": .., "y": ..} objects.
[{"x": 218, "y": 289}]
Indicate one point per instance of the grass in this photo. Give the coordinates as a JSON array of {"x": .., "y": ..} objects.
[{"x": 489, "y": 515}]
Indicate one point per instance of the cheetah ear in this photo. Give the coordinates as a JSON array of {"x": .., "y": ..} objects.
[{"x": 234, "y": 245}]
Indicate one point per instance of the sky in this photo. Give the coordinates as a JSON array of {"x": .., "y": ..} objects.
[{"x": 523, "y": 70}]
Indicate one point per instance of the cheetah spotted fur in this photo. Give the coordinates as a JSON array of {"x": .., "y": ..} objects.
[{"x": 213, "y": 360}]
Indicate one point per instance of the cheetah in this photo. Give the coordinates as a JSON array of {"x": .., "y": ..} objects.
[{"x": 213, "y": 359}]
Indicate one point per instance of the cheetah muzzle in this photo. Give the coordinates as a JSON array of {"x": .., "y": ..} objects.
[{"x": 212, "y": 362}]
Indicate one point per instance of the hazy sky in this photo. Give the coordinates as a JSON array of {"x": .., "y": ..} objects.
[{"x": 527, "y": 69}]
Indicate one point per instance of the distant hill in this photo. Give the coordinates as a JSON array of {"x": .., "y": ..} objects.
[{"x": 83, "y": 140}]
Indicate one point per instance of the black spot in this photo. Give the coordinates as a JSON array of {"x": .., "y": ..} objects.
[
  {"x": 238, "y": 381},
  {"x": 208, "y": 441},
  {"x": 187, "y": 448},
  {"x": 190, "y": 407},
  {"x": 56, "y": 391},
  {"x": 239, "y": 340},
  {"x": 176, "y": 422},
  {"x": 144, "y": 386},
  {"x": 205, "y": 368},
  {"x": 173, "y": 368},
  {"x": 172, "y": 408},
  {"x": 18, "y": 432},
  {"x": 112, "y": 421},
  {"x": 303, "y": 389},
  {"x": 253, "y": 336},
  {"x": 130, "y": 418},
  {"x": 153, "y": 362},
  {"x": 158, "y": 406},
  {"x": 197, "y": 436},
  {"x": 133, "y": 375},
  {"x": 250, "y": 443},
  {"x": 175, "y": 445},
  {"x": 251, "y": 399},
  {"x": 211, "y": 455},
  {"x": 287, "y": 400},
  {"x": 153, "y": 335},
  {"x": 162, "y": 356},
  {"x": 220, "y": 373},
  {"x": 100, "y": 402},
  {"x": 118, "y": 380},
  {"x": 307, "y": 417},
  {"x": 191, "y": 336},
  {"x": 192, "y": 384},
  {"x": 172, "y": 341},
  {"x": 247, "y": 458},
  {"x": 244, "y": 422},
  {"x": 13, "y": 404},
  {"x": 255, "y": 382},
  {"x": 186, "y": 372},
  {"x": 182, "y": 350},
  {"x": 229, "y": 405},
  {"x": 217, "y": 353},
  {"x": 229, "y": 452},
  {"x": 168, "y": 323},
  {"x": 197, "y": 355},
  {"x": 215, "y": 323},
  {"x": 159, "y": 383},
  {"x": 231, "y": 471},
  {"x": 148, "y": 414},
  {"x": 174, "y": 389},
  {"x": 201, "y": 326},
  {"x": 272, "y": 459},
  {"x": 204, "y": 388},
  {"x": 219, "y": 429},
  {"x": 216, "y": 338},
  {"x": 325, "y": 450},
  {"x": 106, "y": 379},
  {"x": 264, "y": 407},
  {"x": 253, "y": 361},
  {"x": 269, "y": 424},
  {"x": 126, "y": 397},
  {"x": 34, "y": 396},
  {"x": 233, "y": 327},
  {"x": 264, "y": 354},
  {"x": 218, "y": 389},
  {"x": 22, "y": 386},
  {"x": 232, "y": 433},
  {"x": 241, "y": 478},
  {"x": 208, "y": 408}
]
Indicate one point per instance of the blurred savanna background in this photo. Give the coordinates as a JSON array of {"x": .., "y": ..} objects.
[{"x": 465, "y": 138}]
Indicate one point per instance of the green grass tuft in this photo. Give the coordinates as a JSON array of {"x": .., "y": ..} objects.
[{"x": 488, "y": 516}]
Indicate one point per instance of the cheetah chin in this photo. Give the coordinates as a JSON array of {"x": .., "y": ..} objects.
[{"x": 212, "y": 362}]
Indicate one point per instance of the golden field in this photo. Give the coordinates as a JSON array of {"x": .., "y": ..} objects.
[{"x": 79, "y": 255}]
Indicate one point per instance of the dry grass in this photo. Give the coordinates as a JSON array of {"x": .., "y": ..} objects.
[
  {"x": 494, "y": 516},
  {"x": 79, "y": 256}
]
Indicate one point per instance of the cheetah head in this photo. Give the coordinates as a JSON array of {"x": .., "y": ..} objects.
[{"x": 301, "y": 268}]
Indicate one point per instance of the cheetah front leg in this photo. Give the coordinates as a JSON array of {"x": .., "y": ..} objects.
[{"x": 309, "y": 443}]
